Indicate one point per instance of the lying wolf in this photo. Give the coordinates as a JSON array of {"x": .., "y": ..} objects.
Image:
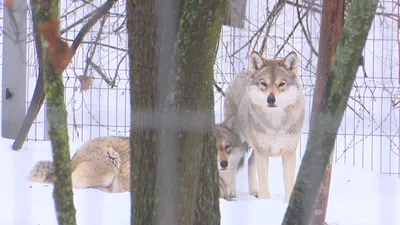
[{"x": 103, "y": 163}]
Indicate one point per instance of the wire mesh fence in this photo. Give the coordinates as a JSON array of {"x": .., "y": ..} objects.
[
  {"x": 369, "y": 134},
  {"x": 97, "y": 79}
]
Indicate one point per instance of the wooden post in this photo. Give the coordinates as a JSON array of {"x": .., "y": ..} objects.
[
  {"x": 330, "y": 35},
  {"x": 235, "y": 13},
  {"x": 14, "y": 69}
]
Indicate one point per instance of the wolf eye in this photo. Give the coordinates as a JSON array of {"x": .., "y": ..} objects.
[
  {"x": 263, "y": 84},
  {"x": 282, "y": 84},
  {"x": 227, "y": 146}
]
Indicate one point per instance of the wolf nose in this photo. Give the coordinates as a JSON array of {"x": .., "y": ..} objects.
[
  {"x": 223, "y": 164},
  {"x": 271, "y": 98}
]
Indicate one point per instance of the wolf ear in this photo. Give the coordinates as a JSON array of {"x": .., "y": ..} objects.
[
  {"x": 256, "y": 62},
  {"x": 291, "y": 62}
]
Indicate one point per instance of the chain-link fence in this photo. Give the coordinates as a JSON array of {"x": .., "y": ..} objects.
[{"x": 97, "y": 79}]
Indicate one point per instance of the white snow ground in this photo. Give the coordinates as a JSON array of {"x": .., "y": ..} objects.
[{"x": 357, "y": 197}]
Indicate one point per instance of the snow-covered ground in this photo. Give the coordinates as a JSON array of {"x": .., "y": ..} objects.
[{"x": 357, "y": 197}]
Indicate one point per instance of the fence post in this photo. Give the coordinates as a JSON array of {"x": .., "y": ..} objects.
[
  {"x": 236, "y": 13},
  {"x": 14, "y": 69}
]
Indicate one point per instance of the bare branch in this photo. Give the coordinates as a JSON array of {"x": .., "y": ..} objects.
[
  {"x": 304, "y": 30},
  {"x": 102, "y": 75},
  {"x": 94, "y": 46},
  {"x": 100, "y": 12},
  {"x": 116, "y": 71},
  {"x": 271, "y": 20}
]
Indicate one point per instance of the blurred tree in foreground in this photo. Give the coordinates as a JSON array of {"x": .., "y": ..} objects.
[{"x": 172, "y": 48}]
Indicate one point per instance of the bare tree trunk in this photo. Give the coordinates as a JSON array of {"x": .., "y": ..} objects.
[
  {"x": 330, "y": 34},
  {"x": 172, "y": 136},
  {"x": 143, "y": 82},
  {"x": 45, "y": 11},
  {"x": 197, "y": 38},
  {"x": 324, "y": 129}
]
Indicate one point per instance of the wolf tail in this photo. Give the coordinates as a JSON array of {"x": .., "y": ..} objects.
[{"x": 42, "y": 172}]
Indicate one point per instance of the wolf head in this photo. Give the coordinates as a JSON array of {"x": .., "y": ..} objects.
[
  {"x": 273, "y": 84},
  {"x": 231, "y": 149}
]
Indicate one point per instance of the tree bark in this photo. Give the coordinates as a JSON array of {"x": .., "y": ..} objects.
[
  {"x": 330, "y": 112},
  {"x": 168, "y": 13},
  {"x": 44, "y": 11},
  {"x": 173, "y": 169},
  {"x": 330, "y": 34},
  {"x": 143, "y": 83},
  {"x": 197, "y": 38}
]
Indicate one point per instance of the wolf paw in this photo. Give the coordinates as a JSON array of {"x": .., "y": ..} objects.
[
  {"x": 254, "y": 193},
  {"x": 229, "y": 199},
  {"x": 260, "y": 195},
  {"x": 264, "y": 195},
  {"x": 232, "y": 194},
  {"x": 229, "y": 196}
]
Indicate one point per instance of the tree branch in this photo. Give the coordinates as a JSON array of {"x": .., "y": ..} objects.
[{"x": 100, "y": 12}]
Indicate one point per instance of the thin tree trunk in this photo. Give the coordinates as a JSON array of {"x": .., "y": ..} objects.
[
  {"x": 330, "y": 34},
  {"x": 324, "y": 129},
  {"x": 44, "y": 11}
]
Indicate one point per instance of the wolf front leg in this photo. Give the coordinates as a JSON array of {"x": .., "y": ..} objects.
[
  {"x": 262, "y": 165},
  {"x": 223, "y": 188},
  {"x": 289, "y": 172},
  {"x": 252, "y": 175},
  {"x": 228, "y": 178},
  {"x": 232, "y": 183}
]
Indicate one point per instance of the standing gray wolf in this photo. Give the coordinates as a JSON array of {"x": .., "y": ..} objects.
[
  {"x": 230, "y": 158},
  {"x": 269, "y": 105},
  {"x": 101, "y": 163}
]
